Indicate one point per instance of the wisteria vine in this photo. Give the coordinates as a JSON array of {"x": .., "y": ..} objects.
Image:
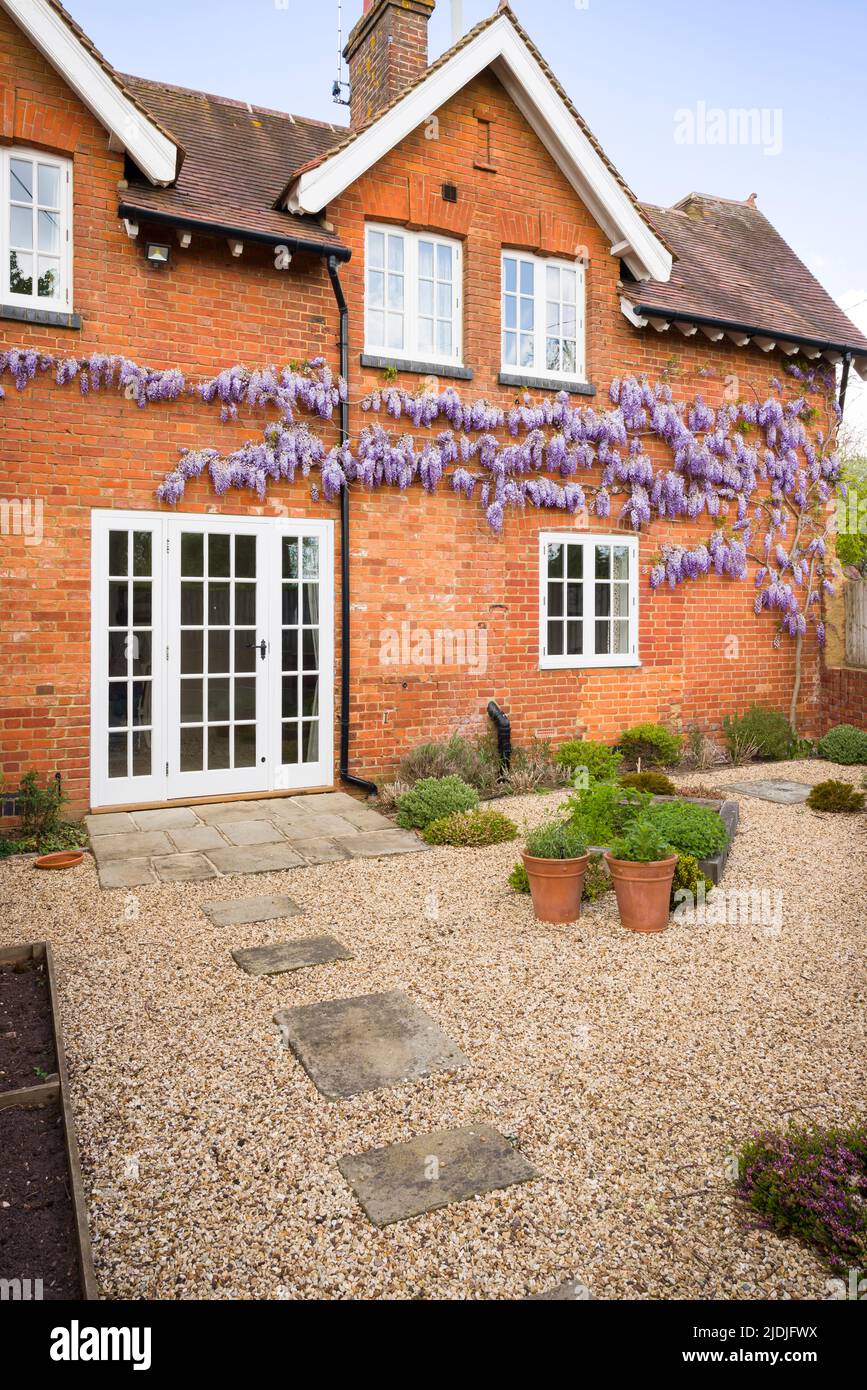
[{"x": 750, "y": 466}]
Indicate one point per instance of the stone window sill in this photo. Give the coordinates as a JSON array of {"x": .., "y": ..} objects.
[
  {"x": 547, "y": 383},
  {"x": 421, "y": 368}
]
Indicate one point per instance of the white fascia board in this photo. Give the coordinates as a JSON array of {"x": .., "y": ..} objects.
[
  {"x": 152, "y": 151},
  {"x": 500, "y": 47}
]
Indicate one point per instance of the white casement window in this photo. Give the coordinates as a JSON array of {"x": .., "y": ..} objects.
[
  {"x": 413, "y": 295},
  {"x": 543, "y": 317},
  {"x": 588, "y": 600},
  {"x": 36, "y": 230}
]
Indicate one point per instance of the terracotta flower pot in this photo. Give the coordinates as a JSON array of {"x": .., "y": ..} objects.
[
  {"x": 63, "y": 859},
  {"x": 643, "y": 892},
  {"x": 555, "y": 885}
]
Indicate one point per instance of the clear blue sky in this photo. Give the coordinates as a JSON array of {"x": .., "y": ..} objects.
[{"x": 629, "y": 66}]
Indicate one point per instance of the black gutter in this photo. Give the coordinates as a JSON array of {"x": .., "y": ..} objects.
[
  {"x": 294, "y": 243},
  {"x": 345, "y": 775},
  {"x": 656, "y": 312},
  {"x": 844, "y": 381}
]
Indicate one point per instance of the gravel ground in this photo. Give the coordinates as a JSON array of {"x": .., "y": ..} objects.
[{"x": 625, "y": 1067}]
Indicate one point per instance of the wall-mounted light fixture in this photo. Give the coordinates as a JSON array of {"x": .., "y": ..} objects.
[{"x": 158, "y": 252}]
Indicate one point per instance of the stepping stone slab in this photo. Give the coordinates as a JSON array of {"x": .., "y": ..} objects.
[
  {"x": 348, "y": 1046},
  {"x": 372, "y": 844},
  {"x": 199, "y": 837},
  {"x": 775, "y": 789},
  {"x": 139, "y": 844},
  {"x": 126, "y": 873},
  {"x": 255, "y": 859},
  {"x": 253, "y": 832},
  {"x": 573, "y": 1291},
  {"x": 433, "y": 1171},
  {"x": 319, "y": 851},
  {"x": 172, "y": 818},
  {"x": 238, "y": 912},
  {"x": 184, "y": 868},
  {"x": 282, "y": 956}
]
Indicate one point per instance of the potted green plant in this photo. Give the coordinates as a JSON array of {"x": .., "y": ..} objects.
[
  {"x": 556, "y": 860},
  {"x": 642, "y": 864}
]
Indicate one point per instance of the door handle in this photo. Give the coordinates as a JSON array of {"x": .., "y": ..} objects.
[{"x": 263, "y": 647}]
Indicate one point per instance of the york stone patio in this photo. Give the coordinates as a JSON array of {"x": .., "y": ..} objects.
[{"x": 183, "y": 844}]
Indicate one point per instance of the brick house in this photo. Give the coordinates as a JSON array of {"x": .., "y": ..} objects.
[{"x": 467, "y": 226}]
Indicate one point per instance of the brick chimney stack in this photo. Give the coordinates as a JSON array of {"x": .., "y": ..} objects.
[{"x": 386, "y": 52}]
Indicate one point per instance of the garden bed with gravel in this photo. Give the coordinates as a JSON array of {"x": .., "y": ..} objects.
[{"x": 626, "y": 1068}]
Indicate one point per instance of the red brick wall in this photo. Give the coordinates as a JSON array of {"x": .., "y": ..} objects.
[
  {"x": 844, "y": 697},
  {"x": 430, "y": 561},
  {"x": 386, "y": 52}
]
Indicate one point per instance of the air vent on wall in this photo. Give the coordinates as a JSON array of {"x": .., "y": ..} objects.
[{"x": 450, "y": 192}]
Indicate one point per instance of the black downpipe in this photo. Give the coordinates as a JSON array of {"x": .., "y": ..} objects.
[
  {"x": 345, "y": 775},
  {"x": 844, "y": 381},
  {"x": 504, "y": 736}
]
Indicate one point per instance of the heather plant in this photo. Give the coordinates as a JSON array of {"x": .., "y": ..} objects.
[
  {"x": 844, "y": 744},
  {"x": 766, "y": 732},
  {"x": 472, "y": 828},
  {"x": 696, "y": 830},
  {"x": 836, "y": 797},
  {"x": 810, "y": 1183},
  {"x": 556, "y": 840},
  {"x": 654, "y": 782},
  {"x": 651, "y": 745},
  {"x": 600, "y": 761},
  {"x": 433, "y": 798}
]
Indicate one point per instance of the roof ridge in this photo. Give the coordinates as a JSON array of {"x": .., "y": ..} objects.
[{"x": 231, "y": 101}]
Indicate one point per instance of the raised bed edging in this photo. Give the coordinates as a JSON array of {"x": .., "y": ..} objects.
[{"x": 56, "y": 1088}]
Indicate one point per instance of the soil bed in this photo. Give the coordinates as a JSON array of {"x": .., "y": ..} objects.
[
  {"x": 27, "y": 1055},
  {"x": 37, "y": 1229}
]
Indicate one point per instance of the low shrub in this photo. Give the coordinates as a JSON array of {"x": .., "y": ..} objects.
[
  {"x": 642, "y": 842},
  {"x": 476, "y": 762},
  {"x": 41, "y": 829},
  {"x": 760, "y": 733},
  {"x": 556, "y": 840},
  {"x": 811, "y": 1183},
  {"x": 519, "y": 879},
  {"x": 696, "y": 830},
  {"x": 687, "y": 878},
  {"x": 433, "y": 798},
  {"x": 654, "y": 782},
  {"x": 534, "y": 767},
  {"x": 652, "y": 745},
  {"x": 703, "y": 793},
  {"x": 835, "y": 796},
  {"x": 844, "y": 744},
  {"x": 701, "y": 752},
  {"x": 474, "y": 828},
  {"x": 600, "y": 761},
  {"x": 599, "y": 813}
]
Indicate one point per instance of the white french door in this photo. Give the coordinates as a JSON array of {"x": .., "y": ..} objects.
[{"x": 212, "y": 656}]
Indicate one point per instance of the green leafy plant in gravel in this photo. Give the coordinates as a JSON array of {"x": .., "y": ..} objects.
[
  {"x": 642, "y": 842},
  {"x": 474, "y": 828},
  {"x": 652, "y": 744},
  {"x": 844, "y": 744},
  {"x": 810, "y": 1183},
  {"x": 696, "y": 830},
  {"x": 835, "y": 796},
  {"x": 600, "y": 761},
  {"x": 432, "y": 798},
  {"x": 600, "y": 811},
  {"x": 654, "y": 782},
  {"x": 766, "y": 731},
  {"x": 688, "y": 877},
  {"x": 556, "y": 840},
  {"x": 41, "y": 828}
]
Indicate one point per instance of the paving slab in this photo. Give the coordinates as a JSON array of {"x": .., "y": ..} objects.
[
  {"x": 365, "y": 818},
  {"x": 255, "y": 859},
  {"x": 112, "y": 823},
  {"x": 237, "y": 912},
  {"x": 335, "y": 803},
  {"x": 183, "y": 868},
  {"x": 139, "y": 844},
  {"x": 573, "y": 1291},
  {"x": 776, "y": 789},
  {"x": 281, "y": 956},
  {"x": 433, "y": 1170},
  {"x": 347, "y": 1046},
  {"x": 172, "y": 818},
  {"x": 320, "y": 825},
  {"x": 291, "y": 808},
  {"x": 319, "y": 850},
  {"x": 125, "y": 873},
  {"x": 198, "y": 837},
  {"x": 370, "y": 844},
  {"x": 252, "y": 832},
  {"x": 215, "y": 813}
]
